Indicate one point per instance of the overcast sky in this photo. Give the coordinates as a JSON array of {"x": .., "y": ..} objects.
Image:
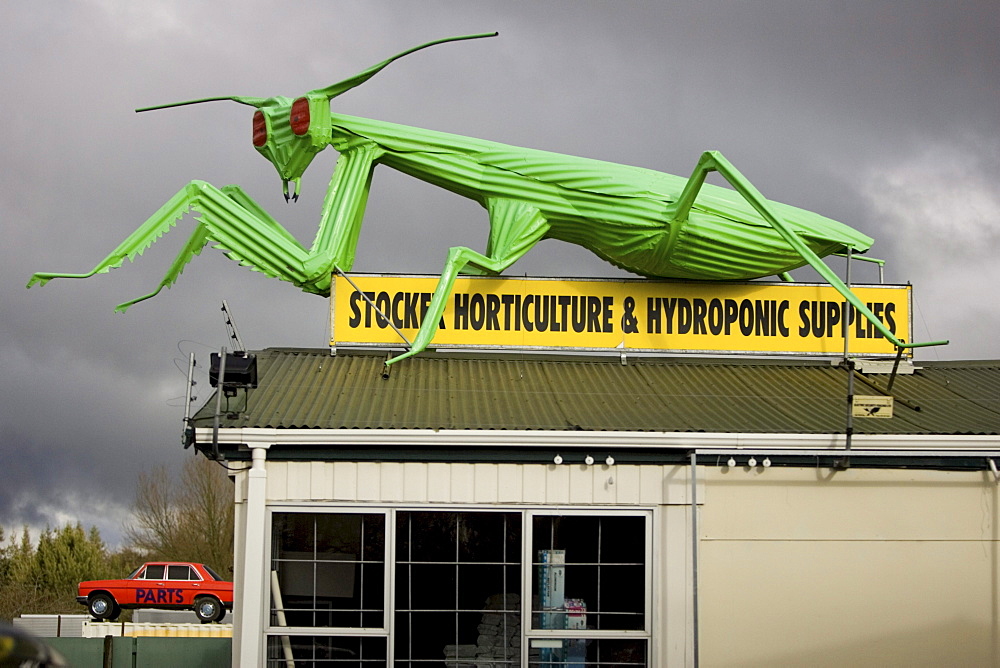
[{"x": 884, "y": 116}]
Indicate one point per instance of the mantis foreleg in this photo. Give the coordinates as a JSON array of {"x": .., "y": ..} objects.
[
  {"x": 515, "y": 228},
  {"x": 227, "y": 217},
  {"x": 240, "y": 227}
]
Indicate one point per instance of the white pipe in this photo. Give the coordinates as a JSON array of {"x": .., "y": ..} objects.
[
  {"x": 694, "y": 555},
  {"x": 279, "y": 607}
]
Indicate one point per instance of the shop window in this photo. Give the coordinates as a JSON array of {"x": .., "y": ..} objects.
[
  {"x": 331, "y": 569},
  {"x": 458, "y": 583},
  {"x": 458, "y": 589},
  {"x": 589, "y": 576}
]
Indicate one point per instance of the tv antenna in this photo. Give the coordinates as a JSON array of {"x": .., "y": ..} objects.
[{"x": 234, "y": 334}]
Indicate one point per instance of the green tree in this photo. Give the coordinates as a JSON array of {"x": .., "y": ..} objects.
[
  {"x": 187, "y": 520},
  {"x": 43, "y": 578}
]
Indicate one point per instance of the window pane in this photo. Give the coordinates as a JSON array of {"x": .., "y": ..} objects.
[
  {"x": 293, "y": 532},
  {"x": 322, "y": 577},
  {"x": 589, "y": 572},
  {"x": 325, "y": 651},
  {"x": 154, "y": 572},
  {"x": 178, "y": 573},
  {"x": 426, "y": 536},
  {"x": 432, "y": 587},
  {"x": 487, "y": 537},
  {"x": 592, "y": 653}
]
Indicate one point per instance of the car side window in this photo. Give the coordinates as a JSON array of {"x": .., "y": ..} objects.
[
  {"x": 175, "y": 572},
  {"x": 154, "y": 572}
]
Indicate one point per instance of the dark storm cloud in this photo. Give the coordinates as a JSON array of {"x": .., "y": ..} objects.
[{"x": 882, "y": 115}]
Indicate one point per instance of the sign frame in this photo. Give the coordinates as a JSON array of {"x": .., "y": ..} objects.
[{"x": 710, "y": 306}]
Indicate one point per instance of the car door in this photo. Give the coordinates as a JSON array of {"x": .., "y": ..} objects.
[
  {"x": 184, "y": 584},
  {"x": 149, "y": 585}
]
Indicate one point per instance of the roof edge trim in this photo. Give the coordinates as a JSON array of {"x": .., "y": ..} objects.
[{"x": 467, "y": 438}]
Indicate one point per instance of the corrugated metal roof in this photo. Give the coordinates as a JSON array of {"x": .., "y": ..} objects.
[{"x": 308, "y": 389}]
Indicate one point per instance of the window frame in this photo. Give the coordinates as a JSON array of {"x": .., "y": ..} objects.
[
  {"x": 529, "y": 560},
  {"x": 527, "y": 513},
  {"x": 336, "y": 631}
]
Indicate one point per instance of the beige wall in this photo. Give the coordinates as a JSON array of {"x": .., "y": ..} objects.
[
  {"x": 797, "y": 567},
  {"x": 870, "y": 567},
  {"x": 663, "y": 490}
]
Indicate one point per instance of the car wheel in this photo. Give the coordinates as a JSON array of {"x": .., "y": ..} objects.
[
  {"x": 207, "y": 609},
  {"x": 101, "y": 606}
]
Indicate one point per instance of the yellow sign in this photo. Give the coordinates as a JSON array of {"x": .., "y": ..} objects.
[
  {"x": 634, "y": 315},
  {"x": 871, "y": 406}
]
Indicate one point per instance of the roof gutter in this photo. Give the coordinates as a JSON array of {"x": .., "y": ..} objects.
[{"x": 704, "y": 443}]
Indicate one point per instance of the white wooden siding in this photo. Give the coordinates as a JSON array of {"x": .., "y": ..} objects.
[{"x": 417, "y": 482}]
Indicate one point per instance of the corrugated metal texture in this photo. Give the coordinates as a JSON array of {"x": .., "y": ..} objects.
[{"x": 308, "y": 389}]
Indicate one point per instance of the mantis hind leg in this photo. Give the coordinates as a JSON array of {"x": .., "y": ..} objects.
[
  {"x": 714, "y": 161},
  {"x": 515, "y": 228}
]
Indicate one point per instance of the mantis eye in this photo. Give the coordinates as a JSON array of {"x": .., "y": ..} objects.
[
  {"x": 259, "y": 129},
  {"x": 299, "y": 116}
]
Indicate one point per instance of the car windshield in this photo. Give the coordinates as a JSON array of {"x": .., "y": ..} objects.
[
  {"x": 134, "y": 573},
  {"x": 213, "y": 573}
]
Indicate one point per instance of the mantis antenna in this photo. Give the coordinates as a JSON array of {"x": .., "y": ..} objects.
[{"x": 329, "y": 92}]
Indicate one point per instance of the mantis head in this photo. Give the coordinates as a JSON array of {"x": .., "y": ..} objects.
[{"x": 290, "y": 132}]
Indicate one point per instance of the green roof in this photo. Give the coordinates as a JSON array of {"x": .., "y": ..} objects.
[{"x": 311, "y": 389}]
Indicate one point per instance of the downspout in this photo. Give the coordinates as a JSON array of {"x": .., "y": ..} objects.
[{"x": 694, "y": 556}]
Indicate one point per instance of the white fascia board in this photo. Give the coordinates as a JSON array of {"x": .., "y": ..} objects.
[{"x": 431, "y": 438}]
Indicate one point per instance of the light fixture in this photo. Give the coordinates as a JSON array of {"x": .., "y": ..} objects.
[
  {"x": 588, "y": 460},
  {"x": 557, "y": 460},
  {"x": 767, "y": 462},
  {"x": 238, "y": 370},
  {"x": 731, "y": 463},
  {"x": 752, "y": 462},
  {"x": 610, "y": 461}
]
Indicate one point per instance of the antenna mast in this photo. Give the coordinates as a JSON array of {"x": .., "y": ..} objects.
[{"x": 234, "y": 334}]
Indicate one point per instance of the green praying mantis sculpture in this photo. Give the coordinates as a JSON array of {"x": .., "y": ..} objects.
[{"x": 646, "y": 222}]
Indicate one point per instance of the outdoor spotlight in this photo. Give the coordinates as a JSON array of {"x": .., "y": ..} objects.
[
  {"x": 752, "y": 463},
  {"x": 588, "y": 460},
  {"x": 766, "y": 462},
  {"x": 731, "y": 463},
  {"x": 557, "y": 460},
  {"x": 240, "y": 372},
  {"x": 610, "y": 461}
]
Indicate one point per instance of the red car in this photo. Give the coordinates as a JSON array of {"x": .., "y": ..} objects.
[{"x": 160, "y": 584}]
